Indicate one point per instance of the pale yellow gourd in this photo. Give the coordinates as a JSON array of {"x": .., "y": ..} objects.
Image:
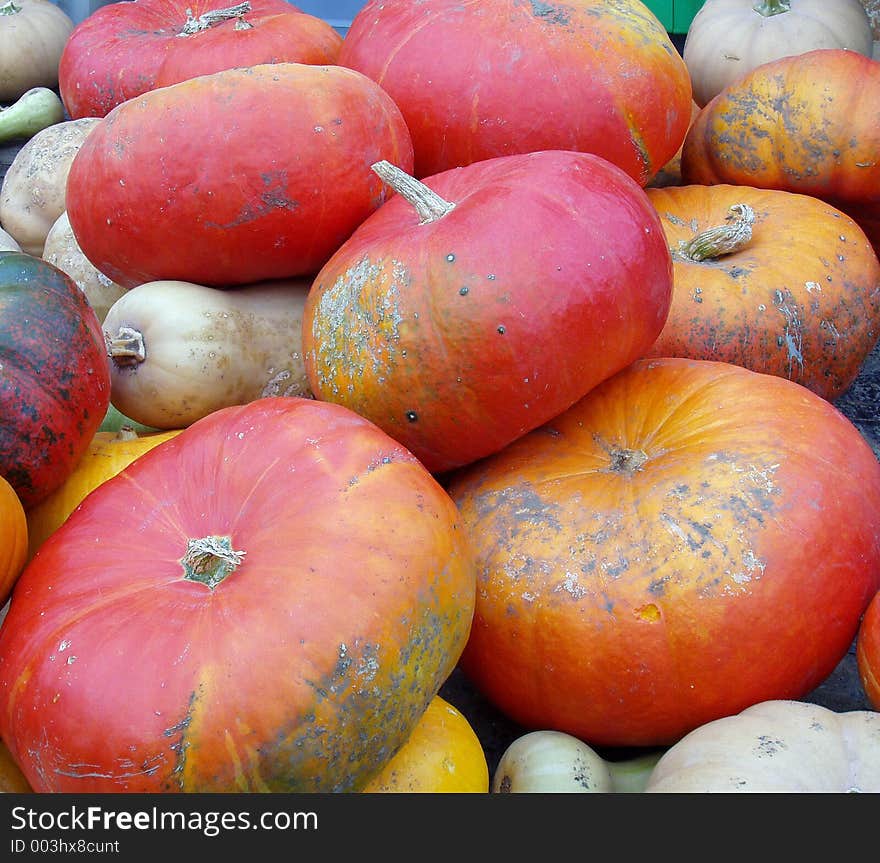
[
  {"x": 776, "y": 746},
  {"x": 728, "y": 38},
  {"x": 63, "y": 251},
  {"x": 179, "y": 351},
  {"x": 34, "y": 190},
  {"x": 33, "y": 34}
]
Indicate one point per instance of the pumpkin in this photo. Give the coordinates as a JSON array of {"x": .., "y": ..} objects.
[
  {"x": 287, "y": 176},
  {"x": 771, "y": 280},
  {"x": 249, "y": 40},
  {"x": 296, "y": 588},
  {"x": 8, "y": 243},
  {"x": 553, "y": 762},
  {"x": 689, "y": 538},
  {"x": 106, "y": 455},
  {"x": 115, "y": 53},
  {"x": 775, "y": 746},
  {"x": 32, "y": 112},
  {"x": 33, "y": 193},
  {"x": 62, "y": 250},
  {"x": 728, "y": 38},
  {"x": 443, "y": 755},
  {"x": 474, "y": 306},
  {"x": 32, "y": 37},
  {"x": 12, "y": 780},
  {"x": 868, "y": 652},
  {"x": 807, "y": 123},
  {"x": 54, "y": 379},
  {"x": 179, "y": 350},
  {"x": 516, "y": 77},
  {"x": 13, "y": 539}
]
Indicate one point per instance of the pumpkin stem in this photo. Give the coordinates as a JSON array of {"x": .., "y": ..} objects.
[
  {"x": 212, "y": 17},
  {"x": 210, "y": 559},
  {"x": 126, "y": 348},
  {"x": 724, "y": 239},
  {"x": 9, "y": 8},
  {"x": 426, "y": 202},
  {"x": 126, "y": 432},
  {"x": 772, "y": 7}
]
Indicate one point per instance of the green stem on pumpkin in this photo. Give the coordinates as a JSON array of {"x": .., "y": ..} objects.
[
  {"x": 772, "y": 7},
  {"x": 210, "y": 559},
  {"x": 426, "y": 202},
  {"x": 724, "y": 239},
  {"x": 212, "y": 17},
  {"x": 9, "y": 8},
  {"x": 126, "y": 348}
]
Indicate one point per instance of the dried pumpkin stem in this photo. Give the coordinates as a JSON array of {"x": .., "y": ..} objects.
[
  {"x": 772, "y": 7},
  {"x": 720, "y": 240},
  {"x": 426, "y": 202},
  {"x": 210, "y": 559},
  {"x": 125, "y": 433},
  {"x": 9, "y": 8},
  {"x": 126, "y": 348},
  {"x": 212, "y": 17}
]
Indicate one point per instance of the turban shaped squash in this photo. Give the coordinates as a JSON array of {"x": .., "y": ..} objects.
[
  {"x": 492, "y": 78},
  {"x": 771, "y": 280},
  {"x": 688, "y": 539},
  {"x": 256, "y": 173},
  {"x": 266, "y": 602},
  {"x": 474, "y": 306}
]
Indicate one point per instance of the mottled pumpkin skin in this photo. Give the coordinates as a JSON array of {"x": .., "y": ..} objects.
[
  {"x": 868, "y": 652},
  {"x": 807, "y": 123},
  {"x": 800, "y": 300},
  {"x": 288, "y": 37},
  {"x": 492, "y": 78},
  {"x": 688, "y": 539},
  {"x": 458, "y": 335},
  {"x": 114, "y": 54},
  {"x": 255, "y": 173},
  {"x": 54, "y": 375},
  {"x": 305, "y": 669}
]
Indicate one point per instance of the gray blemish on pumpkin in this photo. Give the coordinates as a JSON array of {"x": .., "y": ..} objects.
[
  {"x": 273, "y": 197},
  {"x": 767, "y": 746},
  {"x": 555, "y": 14},
  {"x": 792, "y": 336}
]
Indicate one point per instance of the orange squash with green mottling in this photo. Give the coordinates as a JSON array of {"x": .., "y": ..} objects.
[
  {"x": 795, "y": 292},
  {"x": 268, "y": 601}
]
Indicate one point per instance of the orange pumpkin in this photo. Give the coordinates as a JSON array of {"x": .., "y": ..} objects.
[
  {"x": 13, "y": 538},
  {"x": 688, "y": 539},
  {"x": 868, "y": 652},
  {"x": 807, "y": 123},
  {"x": 107, "y": 454},
  {"x": 786, "y": 286}
]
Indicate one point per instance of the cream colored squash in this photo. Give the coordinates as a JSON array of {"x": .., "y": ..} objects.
[
  {"x": 63, "y": 251},
  {"x": 8, "y": 243},
  {"x": 179, "y": 351},
  {"x": 33, "y": 34},
  {"x": 728, "y": 38},
  {"x": 552, "y": 762},
  {"x": 776, "y": 746},
  {"x": 34, "y": 190}
]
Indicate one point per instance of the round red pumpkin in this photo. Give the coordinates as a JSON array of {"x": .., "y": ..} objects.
[
  {"x": 255, "y": 173},
  {"x": 54, "y": 375},
  {"x": 459, "y": 328},
  {"x": 115, "y": 53},
  {"x": 267, "y": 601},
  {"x": 868, "y": 652},
  {"x": 493, "y": 78},
  {"x": 688, "y": 539}
]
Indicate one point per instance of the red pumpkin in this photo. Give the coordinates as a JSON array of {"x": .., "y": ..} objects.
[
  {"x": 689, "y": 539},
  {"x": 868, "y": 652},
  {"x": 288, "y": 37},
  {"x": 268, "y": 601},
  {"x": 493, "y": 78},
  {"x": 256, "y": 173},
  {"x": 54, "y": 375},
  {"x": 115, "y": 53},
  {"x": 514, "y": 286}
]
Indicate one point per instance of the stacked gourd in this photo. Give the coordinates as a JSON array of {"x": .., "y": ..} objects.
[{"x": 450, "y": 358}]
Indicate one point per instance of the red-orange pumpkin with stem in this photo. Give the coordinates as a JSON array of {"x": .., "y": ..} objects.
[
  {"x": 689, "y": 539},
  {"x": 268, "y": 601}
]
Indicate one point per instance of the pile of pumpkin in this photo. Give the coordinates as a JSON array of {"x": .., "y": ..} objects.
[{"x": 519, "y": 357}]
